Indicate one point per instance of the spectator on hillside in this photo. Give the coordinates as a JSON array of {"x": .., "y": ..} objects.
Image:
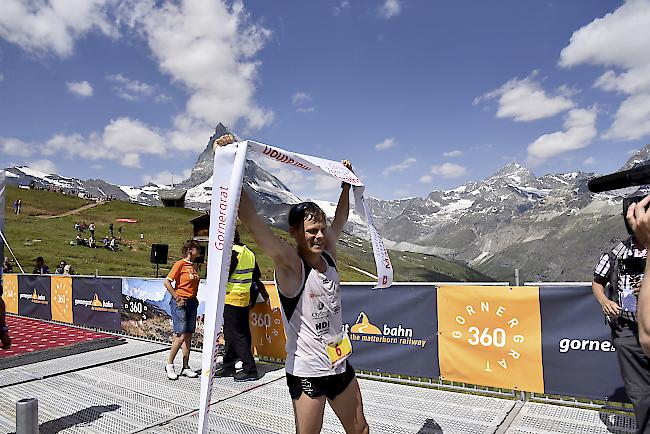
[
  {"x": 77, "y": 226},
  {"x": 60, "y": 268},
  {"x": 105, "y": 242},
  {"x": 79, "y": 241},
  {"x": 15, "y": 206},
  {"x": 6, "y": 266},
  {"x": 114, "y": 246},
  {"x": 91, "y": 228},
  {"x": 141, "y": 236},
  {"x": 120, "y": 230},
  {"x": 19, "y": 204},
  {"x": 91, "y": 242},
  {"x": 110, "y": 229},
  {"x": 40, "y": 267},
  {"x": 68, "y": 270}
]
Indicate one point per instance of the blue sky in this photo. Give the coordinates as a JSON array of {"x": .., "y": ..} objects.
[{"x": 419, "y": 95}]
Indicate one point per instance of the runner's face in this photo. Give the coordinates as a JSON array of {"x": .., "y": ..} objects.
[
  {"x": 314, "y": 236},
  {"x": 194, "y": 253}
]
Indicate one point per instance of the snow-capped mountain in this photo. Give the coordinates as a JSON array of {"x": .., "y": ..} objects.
[{"x": 551, "y": 228}]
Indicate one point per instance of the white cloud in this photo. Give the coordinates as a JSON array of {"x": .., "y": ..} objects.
[
  {"x": 452, "y": 154},
  {"x": 620, "y": 42},
  {"x": 302, "y": 101},
  {"x": 525, "y": 100},
  {"x": 449, "y": 170},
  {"x": 325, "y": 183},
  {"x": 2, "y": 77},
  {"x": 400, "y": 167},
  {"x": 123, "y": 140},
  {"x": 632, "y": 120},
  {"x": 390, "y": 9},
  {"x": 15, "y": 147},
  {"x": 386, "y": 144},
  {"x": 97, "y": 166},
  {"x": 580, "y": 130},
  {"x": 134, "y": 90},
  {"x": 300, "y": 97},
  {"x": 426, "y": 179},
  {"x": 401, "y": 192},
  {"x": 166, "y": 177},
  {"x": 208, "y": 47},
  {"x": 338, "y": 9},
  {"x": 45, "y": 166},
  {"x": 589, "y": 161},
  {"x": 43, "y": 27},
  {"x": 82, "y": 89}
]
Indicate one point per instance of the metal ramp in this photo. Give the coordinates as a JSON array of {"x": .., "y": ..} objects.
[{"x": 124, "y": 390}]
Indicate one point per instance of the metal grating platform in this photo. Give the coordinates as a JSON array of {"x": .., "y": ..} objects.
[
  {"x": 124, "y": 390},
  {"x": 545, "y": 418}
]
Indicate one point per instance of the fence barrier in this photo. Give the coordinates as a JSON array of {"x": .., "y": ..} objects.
[{"x": 544, "y": 339}]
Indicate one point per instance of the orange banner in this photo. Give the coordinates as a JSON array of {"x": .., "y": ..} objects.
[
  {"x": 267, "y": 330},
  {"x": 491, "y": 335},
  {"x": 10, "y": 292},
  {"x": 61, "y": 298}
]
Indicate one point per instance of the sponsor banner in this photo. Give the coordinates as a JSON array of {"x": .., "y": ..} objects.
[
  {"x": 146, "y": 311},
  {"x": 34, "y": 296},
  {"x": 96, "y": 302},
  {"x": 61, "y": 298},
  {"x": 579, "y": 358},
  {"x": 267, "y": 329},
  {"x": 10, "y": 295},
  {"x": 336, "y": 169},
  {"x": 392, "y": 330},
  {"x": 491, "y": 336}
]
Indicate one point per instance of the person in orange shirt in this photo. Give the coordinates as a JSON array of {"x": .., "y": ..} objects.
[{"x": 183, "y": 305}]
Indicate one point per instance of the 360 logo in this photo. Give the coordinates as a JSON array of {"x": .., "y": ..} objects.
[{"x": 491, "y": 336}]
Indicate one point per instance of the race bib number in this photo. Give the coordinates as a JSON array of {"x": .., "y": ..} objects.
[{"x": 339, "y": 349}]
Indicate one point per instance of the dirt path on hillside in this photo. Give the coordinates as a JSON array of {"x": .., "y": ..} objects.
[{"x": 73, "y": 211}]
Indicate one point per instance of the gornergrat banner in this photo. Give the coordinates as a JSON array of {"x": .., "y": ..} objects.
[
  {"x": 96, "y": 302},
  {"x": 578, "y": 356},
  {"x": 392, "y": 330},
  {"x": 34, "y": 296},
  {"x": 491, "y": 335}
]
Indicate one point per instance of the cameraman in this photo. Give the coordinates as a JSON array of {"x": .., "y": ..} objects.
[
  {"x": 639, "y": 220},
  {"x": 621, "y": 271}
]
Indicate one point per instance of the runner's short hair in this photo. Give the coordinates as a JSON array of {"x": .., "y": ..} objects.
[
  {"x": 305, "y": 210},
  {"x": 188, "y": 246}
]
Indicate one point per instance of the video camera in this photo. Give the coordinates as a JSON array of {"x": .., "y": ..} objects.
[{"x": 636, "y": 176}]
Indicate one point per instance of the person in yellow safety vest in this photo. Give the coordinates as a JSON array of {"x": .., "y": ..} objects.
[{"x": 241, "y": 293}]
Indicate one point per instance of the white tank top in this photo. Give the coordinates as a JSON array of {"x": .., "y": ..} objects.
[{"x": 312, "y": 319}]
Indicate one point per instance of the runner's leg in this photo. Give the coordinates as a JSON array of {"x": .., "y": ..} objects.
[
  {"x": 308, "y": 413},
  {"x": 348, "y": 407}
]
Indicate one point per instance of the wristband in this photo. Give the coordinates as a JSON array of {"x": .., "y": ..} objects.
[{"x": 343, "y": 184}]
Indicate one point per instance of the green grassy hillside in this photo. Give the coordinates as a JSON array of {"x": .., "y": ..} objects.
[{"x": 31, "y": 235}]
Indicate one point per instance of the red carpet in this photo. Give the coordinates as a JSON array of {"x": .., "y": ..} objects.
[{"x": 36, "y": 337}]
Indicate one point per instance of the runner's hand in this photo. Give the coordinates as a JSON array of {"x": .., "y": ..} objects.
[
  {"x": 639, "y": 220},
  {"x": 611, "y": 308},
  {"x": 348, "y": 165},
  {"x": 224, "y": 140}
]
